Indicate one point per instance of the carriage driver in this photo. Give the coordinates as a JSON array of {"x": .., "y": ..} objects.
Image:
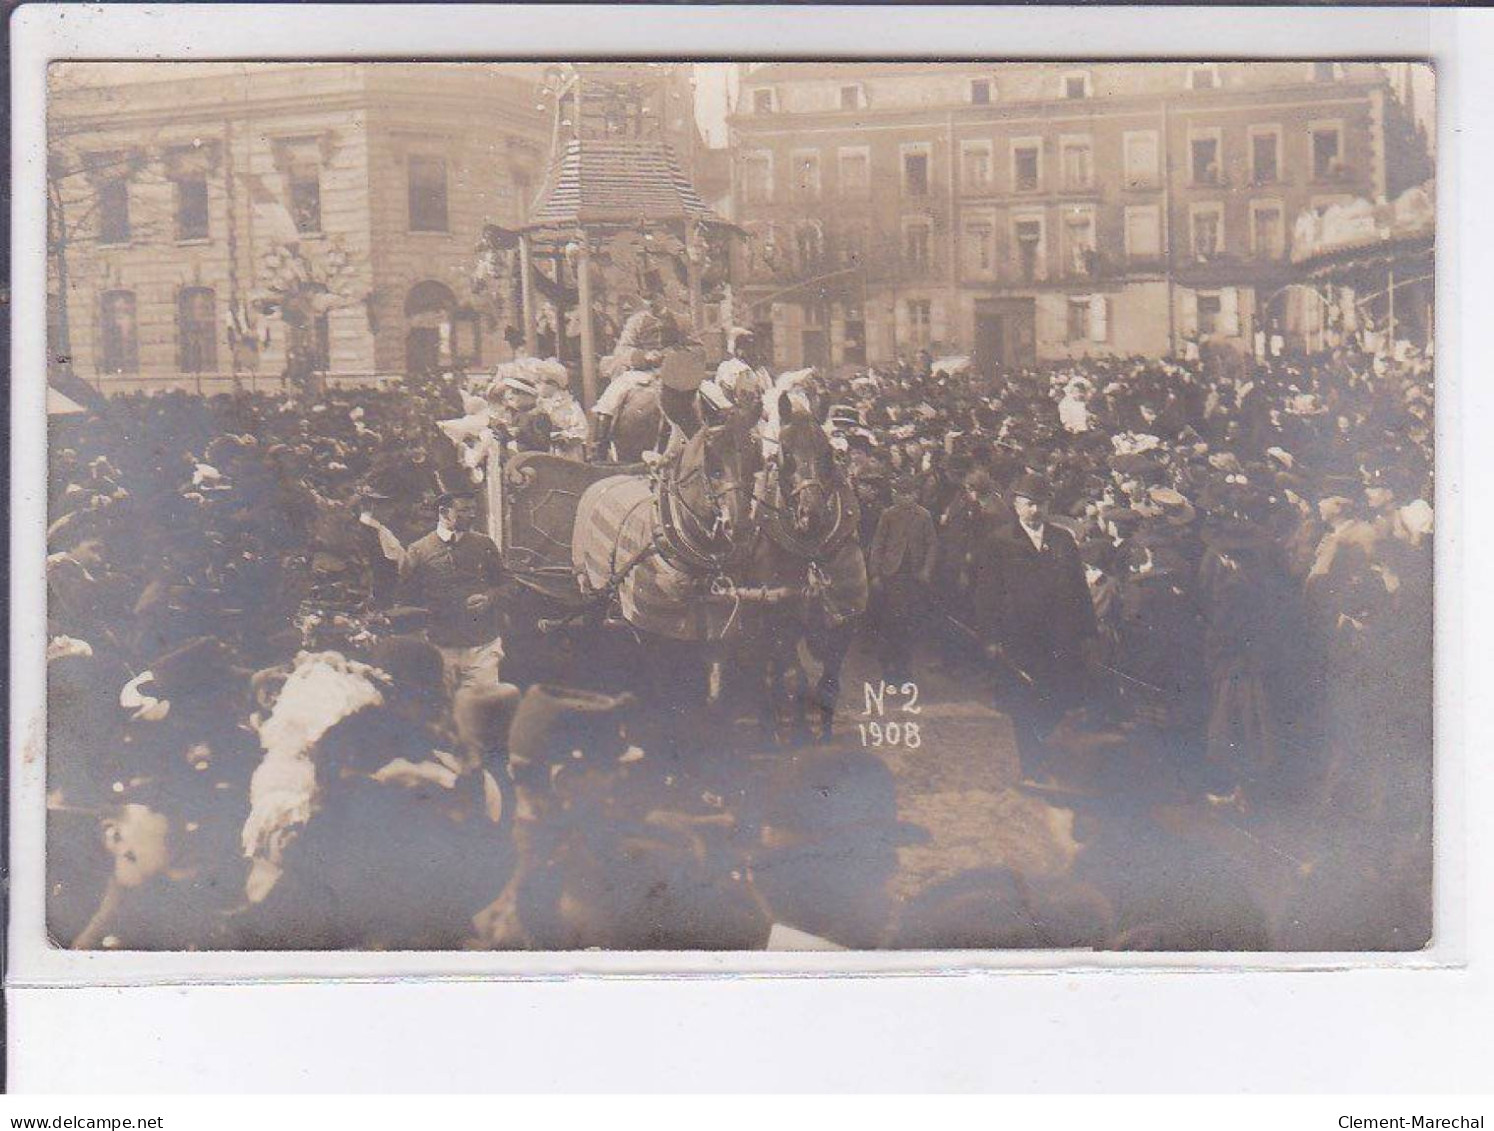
[{"x": 454, "y": 573}]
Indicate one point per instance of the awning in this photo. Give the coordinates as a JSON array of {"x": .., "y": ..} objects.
[
  {"x": 59, "y": 404},
  {"x": 1343, "y": 262}
]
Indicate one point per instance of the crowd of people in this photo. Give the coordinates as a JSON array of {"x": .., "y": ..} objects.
[
  {"x": 1252, "y": 537},
  {"x": 277, "y": 690}
]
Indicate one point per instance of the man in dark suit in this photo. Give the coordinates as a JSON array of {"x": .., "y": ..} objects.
[
  {"x": 900, "y": 567},
  {"x": 1034, "y": 610},
  {"x": 456, "y": 574}
]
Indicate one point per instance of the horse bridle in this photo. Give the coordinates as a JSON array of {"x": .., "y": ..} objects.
[
  {"x": 782, "y": 529},
  {"x": 694, "y": 546}
]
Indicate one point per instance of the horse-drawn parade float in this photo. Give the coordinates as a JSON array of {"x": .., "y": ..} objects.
[{"x": 692, "y": 505}]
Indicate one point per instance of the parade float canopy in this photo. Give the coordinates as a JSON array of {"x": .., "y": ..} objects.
[
  {"x": 623, "y": 182},
  {"x": 1358, "y": 232}
]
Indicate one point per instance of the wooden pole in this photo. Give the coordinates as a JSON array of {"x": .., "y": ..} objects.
[
  {"x": 1390, "y": 304},
  {"x": 588, "y": 331},
  {"x": 693, "y": 253},
  {"x": 558, "y": 308},
  {"x": 526, "y": 292}
]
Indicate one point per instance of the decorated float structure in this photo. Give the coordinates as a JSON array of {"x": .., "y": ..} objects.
[
  {"x": 616, "y": 215},
  {"x": 1365, "y": 271}
]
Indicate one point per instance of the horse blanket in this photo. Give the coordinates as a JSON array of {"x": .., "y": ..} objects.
[{"x": 615, "y": 523}]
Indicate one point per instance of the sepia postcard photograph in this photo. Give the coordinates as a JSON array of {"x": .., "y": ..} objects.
[{"x": 558, "y": 505}]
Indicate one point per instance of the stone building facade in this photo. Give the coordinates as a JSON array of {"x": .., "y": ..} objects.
[
  {"x": 190, "y": 201},
  {"x": 1026, "y": 211}
]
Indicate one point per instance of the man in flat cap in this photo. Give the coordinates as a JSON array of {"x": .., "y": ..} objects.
[{"x": 455, "y": 574}]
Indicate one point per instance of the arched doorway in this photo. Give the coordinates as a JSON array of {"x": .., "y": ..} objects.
[{"x": 428, "y": 314}]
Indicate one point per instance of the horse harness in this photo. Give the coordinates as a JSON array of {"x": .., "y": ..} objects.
[
  {"x": 816, "y": 550},
  {"x": 673, "y": 541}
]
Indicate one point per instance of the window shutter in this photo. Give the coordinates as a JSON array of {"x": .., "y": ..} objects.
[
  {"x": 1229, "y": 312},
  {"x": 1190, "y": 313},
  {"x": 1099, "y": 327}
]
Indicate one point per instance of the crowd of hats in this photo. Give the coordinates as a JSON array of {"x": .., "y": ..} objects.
[
  {"x": 1243, "y": 522},
  {"x": 1256, "y": 534},
  {"x": 246, "y": 749},
  {"x": 196, "y": 545}
]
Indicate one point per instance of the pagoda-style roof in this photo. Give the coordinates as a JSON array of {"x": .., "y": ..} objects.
[{"x": 623, "y": 181}]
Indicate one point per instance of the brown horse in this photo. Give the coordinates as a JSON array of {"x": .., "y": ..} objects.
[
  {"x": 807, "y": 547},
  {"x": 654, "y": 554}
]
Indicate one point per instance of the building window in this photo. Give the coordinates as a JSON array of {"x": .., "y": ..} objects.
[
  {"x": 1204, "y": 159},
  {"x": 1208, "y": 231},
  {"x": 1267, "y": 230},
  {"x": 854, "y": 170},
  {"x": 1327, "y": 72},
  {"x": 1204, "y": 76},
  {"x": 1214, "y": 313},
  {"x": 920, "y": 321},
  {"x": 980, "y": 247},
  {"x": 1076, "y": 156},
  {"x": 1327, "y": 152},
  {"x": 111, "y": 178},
  {"x": 980, "y": 92},
  {"x": 1027, "y": 166},
  {"x": 1076, "y": 85},
  {"x": 119, "y": 333},
  {"x": 808, "y": 246},
  {"x": 853, "y": 337},
  {"x": 1080, "y": 256},
  {"x": 191, "y": 206},
  {"x": 757, "y": 178},
  {"x": 763, "y": 101},
  {"x": 916, "y": 172},
  {"x": 1210, "y": 315},
  {"x": 1141, "y": 157},
  {"x": 853, "y": 245},
  {"x": 300, "y": 163},
  {"x": 1027, "y": 236},
  {"x": 1265, "y": 155},
  {"x": 850, "y": 98},
  {"x": 917, "y": 236},
  {"x": 975, "y": 165},
  {"x": 187, "y": 169},
  {"x": 466, "y": 340},
  {"x": 305, "y": 179},
  {"x": 1143, "y": 232},
  {"x": 807, "y": 175},
  {"x": 1078, "y": 320},
  {"x": 197, "y": 330},
  {"x": 427, "y": 194},
  {"x": 1088, "y": 319}
]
